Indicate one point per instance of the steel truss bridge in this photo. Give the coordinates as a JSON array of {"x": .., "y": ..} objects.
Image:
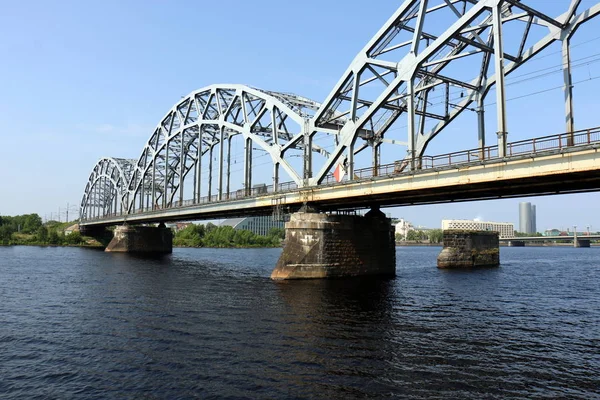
[{"x": 185, "y": 169}]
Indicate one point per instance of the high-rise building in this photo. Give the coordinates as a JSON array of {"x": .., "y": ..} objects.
[{"x": 527, "y": 218}]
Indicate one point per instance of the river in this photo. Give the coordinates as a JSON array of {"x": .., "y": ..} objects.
[{"x": 209, "y": 323}]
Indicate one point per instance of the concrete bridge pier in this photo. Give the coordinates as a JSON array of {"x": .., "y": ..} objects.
[
  {"x": 141, "y": 239},
  {"x": 468, "y": 249},
  {"x": 321, "y": 245},
  {"x": 582, "y": 243},
  {"x": 516, "y": 243}
]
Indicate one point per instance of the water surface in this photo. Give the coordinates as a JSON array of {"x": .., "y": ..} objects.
[{"x": 209, "y": 323}]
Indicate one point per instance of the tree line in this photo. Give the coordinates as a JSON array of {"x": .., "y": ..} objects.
[
  {"x": 28, "y": 229},
  {"x": 210, "y": 235},
  {"x": 430, "y": 235}
]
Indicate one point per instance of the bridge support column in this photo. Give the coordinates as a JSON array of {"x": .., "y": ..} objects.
[
  {"x": 337, "y": 246},
  {"x": 141, "y": 239},
  {"x": 516, "y": 243},
  {"x": 467, "y": 249},
  {"x": 582, "y": 243}
]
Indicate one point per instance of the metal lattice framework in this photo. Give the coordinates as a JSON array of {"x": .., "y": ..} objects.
[
  {"x": 427, "y": 46},
  {"x": 106, "y": 191},
  {"x": 209, "y": 119}
]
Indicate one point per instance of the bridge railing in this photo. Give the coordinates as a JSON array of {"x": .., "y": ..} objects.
[{"x": 528, "y": 146}]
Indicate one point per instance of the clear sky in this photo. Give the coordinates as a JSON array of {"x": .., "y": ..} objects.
[{"x": 81, "y": 80}]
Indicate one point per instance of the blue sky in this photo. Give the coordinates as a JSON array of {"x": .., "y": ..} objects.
[{"x": 81, "y": 80}]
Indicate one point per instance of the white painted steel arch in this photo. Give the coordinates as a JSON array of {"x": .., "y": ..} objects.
[
  {"x": 106, "y": 191},
  {"x": 394, "y": 75},
  {"x": 209, "y": 118}
]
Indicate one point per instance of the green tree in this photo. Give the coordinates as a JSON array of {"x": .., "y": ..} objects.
[
  {"x": 277, "y": 232},
  {"x": 436, "y": 236},
  {"x": 210, "y": 227},
  {"x": 412, "y": 235},
  {"x": 31, "y": 223},
  {"x": 6, "y": 232},
  {"x": 42, "y": 234},
  {"x": 73, "y": 238},
  {"x": 190, "y": 236},
  {"x": 53, "y": 237}
]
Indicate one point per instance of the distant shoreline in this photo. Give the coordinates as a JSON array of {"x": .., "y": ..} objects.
[{"x": 414, "y": 244}]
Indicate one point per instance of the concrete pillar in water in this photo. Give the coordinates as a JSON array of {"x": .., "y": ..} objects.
[
  {"x": 516, "y": 243},
  {"x": 337, "y": 246},
  {"x": 582, "y": 243},
  {"x": 467, "y": 249},
  {"x": 141, "y": 239}
]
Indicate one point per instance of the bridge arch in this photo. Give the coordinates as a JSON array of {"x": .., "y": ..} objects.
[
  {"x": 205, "y": 121},
  {"x": 106, "y": 190},
  {"x": 388, "y": 89}
]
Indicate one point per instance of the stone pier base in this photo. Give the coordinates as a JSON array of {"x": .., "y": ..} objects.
[
  {"x": 468, "y": 249},
  {"x": 337, "y": 246},
  {"x": 582, "y": 243},
  {"x": 141, "y": 239}
]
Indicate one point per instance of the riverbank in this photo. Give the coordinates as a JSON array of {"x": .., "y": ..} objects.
[{"x": 91, "y": 246}]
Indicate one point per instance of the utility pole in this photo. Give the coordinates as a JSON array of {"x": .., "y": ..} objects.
[{"x": 67, "y": 219}]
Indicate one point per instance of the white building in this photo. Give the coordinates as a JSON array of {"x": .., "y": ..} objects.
[
  {"x": 403, "y": 226},
  {"x": 505, "y": 229}
]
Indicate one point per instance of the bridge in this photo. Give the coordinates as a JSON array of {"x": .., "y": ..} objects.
[
  {"x": 538, "y": 166},
  {"x": 578, "y": 240},
  {"x": 329, "y": 155}
]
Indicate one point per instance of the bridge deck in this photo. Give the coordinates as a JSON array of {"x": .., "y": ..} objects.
[{"x": 546, "y": 171}]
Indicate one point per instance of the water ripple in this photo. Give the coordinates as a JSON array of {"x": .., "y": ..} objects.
[{"x": 209, "y": 323}]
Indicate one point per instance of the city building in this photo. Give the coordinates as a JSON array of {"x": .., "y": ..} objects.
[
  {"x": 258, "y": 225},
  {"x": 505, "y": 229},
  {"x": 403, "y": 226},
  {"x": 527, "y": 218}
]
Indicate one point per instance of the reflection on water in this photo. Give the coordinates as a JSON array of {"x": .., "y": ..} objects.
[{"x": 209, "y": 322}]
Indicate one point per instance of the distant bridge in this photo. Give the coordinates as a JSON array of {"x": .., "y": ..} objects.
[
  {"x": 186, "y": 167},
  {"x": 578, "y": 240},
  {"x": 548, "y": 238}
]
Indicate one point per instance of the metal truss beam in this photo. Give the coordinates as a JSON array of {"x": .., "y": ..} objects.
[{"x": 394, "y": 75}]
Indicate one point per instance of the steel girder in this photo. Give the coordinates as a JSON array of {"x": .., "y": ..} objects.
[
  {"x": 395, "y": 74},
  {"x": 106, "y": 190}
]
